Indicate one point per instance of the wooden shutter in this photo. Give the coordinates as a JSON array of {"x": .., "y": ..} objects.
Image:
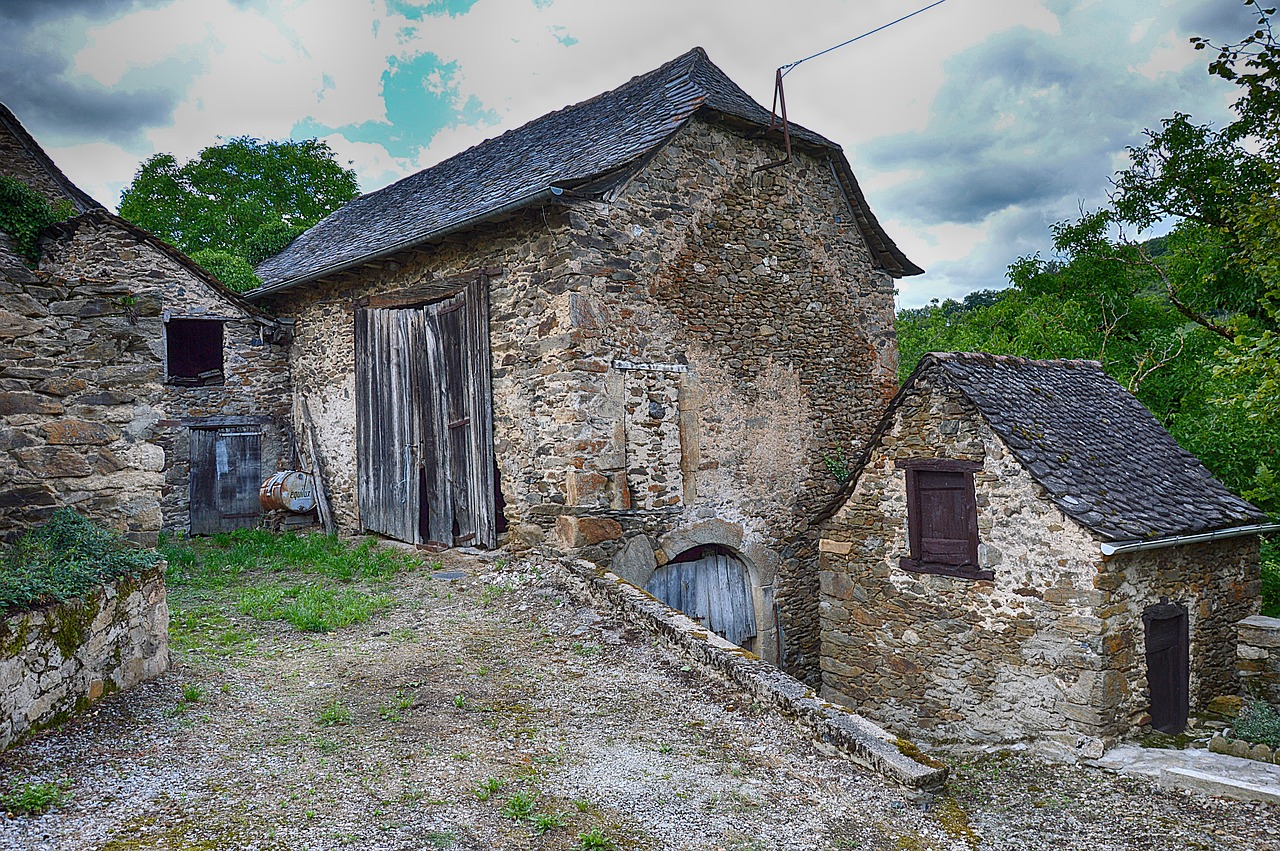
[{"x": 942, "y": 518}]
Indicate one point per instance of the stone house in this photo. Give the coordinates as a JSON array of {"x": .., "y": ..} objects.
[
  {"x": 1025, "y": 553},
  {"x": 133, "y": 385},
  {"x": 625, "y": 328}
]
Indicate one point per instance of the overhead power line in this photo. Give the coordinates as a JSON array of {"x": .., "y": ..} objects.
[{"x": 780, "y": 98}]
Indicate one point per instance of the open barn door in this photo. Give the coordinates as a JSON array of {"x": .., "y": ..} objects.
[{"x": 424, "y": 424}]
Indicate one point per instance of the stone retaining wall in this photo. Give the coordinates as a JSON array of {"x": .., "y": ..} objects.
[
  {"x": 56, "y": 660},
  {"x": 1258, "y": 657},
  {"x": 834, "y": 729}
]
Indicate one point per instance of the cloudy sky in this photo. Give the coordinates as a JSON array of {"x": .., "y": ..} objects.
[{"x": 972, "y": 127}]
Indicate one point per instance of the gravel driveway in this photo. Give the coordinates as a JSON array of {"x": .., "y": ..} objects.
[{"x": 487, "y": 710}]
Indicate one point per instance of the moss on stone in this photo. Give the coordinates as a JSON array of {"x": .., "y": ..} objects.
[
  {"x": 955, "y": 821},
  {"x": 912, "y": 752}
]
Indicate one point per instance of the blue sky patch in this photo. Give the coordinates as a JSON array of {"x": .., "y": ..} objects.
[
  {"x": 421, "y": 98},
  {"x": 415, "y": 11}
]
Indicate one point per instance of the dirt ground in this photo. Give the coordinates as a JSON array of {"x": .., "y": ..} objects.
[{"x": 487, "y": 710}]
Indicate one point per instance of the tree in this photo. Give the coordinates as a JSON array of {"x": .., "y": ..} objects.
[{"x": 245, "y": 198}]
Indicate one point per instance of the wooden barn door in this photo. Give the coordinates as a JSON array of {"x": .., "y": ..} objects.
[
  {"x": 226, "y": 472},
  {"x": 424, "y": 426},
  {"x": 1168, "y": 668},
  {"x": 714, "y": 588}
]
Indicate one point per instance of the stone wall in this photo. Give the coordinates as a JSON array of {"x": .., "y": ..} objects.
[
  {"x": 57, "y": 660},
  {"x": 144, "y": 286},
  {"x": 1218, "y": 582},
  {"x": 1052, "y": 649},
  {"x": 687, "y": 350},
  {"x": 16, "y": 160},
  {"x": 79, "y": 385},
  {"x": 1258, "y": 657}
]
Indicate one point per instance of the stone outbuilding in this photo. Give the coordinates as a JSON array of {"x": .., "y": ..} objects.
[
  {"x": 134, "y": 386},
  {"x": 632, "y": 328},
  {"x": 1024, "y": 553}
]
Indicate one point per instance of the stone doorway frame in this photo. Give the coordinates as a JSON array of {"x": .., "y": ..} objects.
[{"x": 637, "y": 561}]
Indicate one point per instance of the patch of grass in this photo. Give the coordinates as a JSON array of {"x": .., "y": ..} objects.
[
  {"x": 32, "y": 799},
  {"x": 520, "y": 805},
  {"x": 192, "y": 692},
  {"x": 205, "y": 629},
  {"x": 586, "y": 649},
  {"x": 311, "y": 608},
  {"x": 220, "y": 561},
  {"x": 581, "y": 804},
  {"x": 334, "y": 714},
  {"x": 440, "y": 838},
  {"x": 595, "y": 840},
  {"x": 488, "y": 788}
]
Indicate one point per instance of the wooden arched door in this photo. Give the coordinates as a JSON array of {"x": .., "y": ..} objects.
[{"x": 713, "y": 586}]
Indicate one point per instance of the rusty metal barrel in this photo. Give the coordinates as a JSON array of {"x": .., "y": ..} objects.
[{"x": 289, "y": 490}]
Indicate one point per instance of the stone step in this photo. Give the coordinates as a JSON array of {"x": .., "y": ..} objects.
[{"x": 1218, "y": 784}]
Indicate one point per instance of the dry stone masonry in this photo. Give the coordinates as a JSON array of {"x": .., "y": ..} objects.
[
  {"x": 56, "y": 660},
  {"x": 1258, "y": 657}
]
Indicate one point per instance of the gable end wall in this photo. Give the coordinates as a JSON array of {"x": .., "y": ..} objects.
[
  {"x": 1052, "y": 650},
  {"x": 682, "y": 354}
]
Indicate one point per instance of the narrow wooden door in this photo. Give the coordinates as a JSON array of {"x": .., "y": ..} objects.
[
  {"x": 1168, "y": 668},
  {"x": 424, "y": 426},
  {"x": 226, "y": 472},
  {"x": 714, "y": 588}
]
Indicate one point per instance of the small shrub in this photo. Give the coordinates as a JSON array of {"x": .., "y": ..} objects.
[
  {"x": 1259, "y": 723},
  {"x": 32, "y": 799},
  {"x": 62, "y": 559},
  {"x": 334, "y": 714}
]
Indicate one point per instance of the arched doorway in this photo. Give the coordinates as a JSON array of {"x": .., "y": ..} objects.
[{"x": 712, "y": 585}]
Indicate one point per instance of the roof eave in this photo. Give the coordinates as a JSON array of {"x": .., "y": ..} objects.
[
  {"x": 418, "y": 239},
  {"x": 1110, "y": 548}
]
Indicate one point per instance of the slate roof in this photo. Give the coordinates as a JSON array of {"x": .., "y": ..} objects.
[
  {"x": 81, "y": 200},
  {"x": 562, "y": 150},
  {"x": 1100, "y": 454}
]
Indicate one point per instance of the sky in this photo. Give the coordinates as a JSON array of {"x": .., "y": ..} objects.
[{"x": 972, "y": 127}]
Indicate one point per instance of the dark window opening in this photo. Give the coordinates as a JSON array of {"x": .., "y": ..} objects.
[
  {"x": 942, "y": 518},
  {"x": 194, "y": 351}
]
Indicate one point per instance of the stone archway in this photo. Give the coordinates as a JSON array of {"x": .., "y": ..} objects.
[{"x": 643, "y": 557}]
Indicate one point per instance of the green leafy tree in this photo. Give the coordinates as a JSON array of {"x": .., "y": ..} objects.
[{"x": 245, "y": 198}]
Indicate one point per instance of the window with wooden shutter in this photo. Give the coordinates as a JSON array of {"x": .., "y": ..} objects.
[{"x": 942, "y": 518}]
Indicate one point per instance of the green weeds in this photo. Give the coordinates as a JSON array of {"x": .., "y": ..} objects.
[
  {"x": 488, "y": 788},
  {"x": 221, "y": 560},
  {"x": 311, "y": 608},
  {"x": 595, "y": 840},
  {"x": 334, "y": 714},
  {"x": 32, "y": 799}
]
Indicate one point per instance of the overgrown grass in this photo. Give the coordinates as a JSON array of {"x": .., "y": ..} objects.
[
  {"x": 311, "y": 608},
  {"x": 64, "y": 558},
  {"x": 220, "y": 560}
]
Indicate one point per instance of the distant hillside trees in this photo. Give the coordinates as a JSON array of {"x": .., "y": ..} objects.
[{"x": 239, "y": 202}]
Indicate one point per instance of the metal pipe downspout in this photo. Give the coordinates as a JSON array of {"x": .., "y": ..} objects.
[
  {"x": 342, "y": 266},
  {"x": 1110, "y": 549}
]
